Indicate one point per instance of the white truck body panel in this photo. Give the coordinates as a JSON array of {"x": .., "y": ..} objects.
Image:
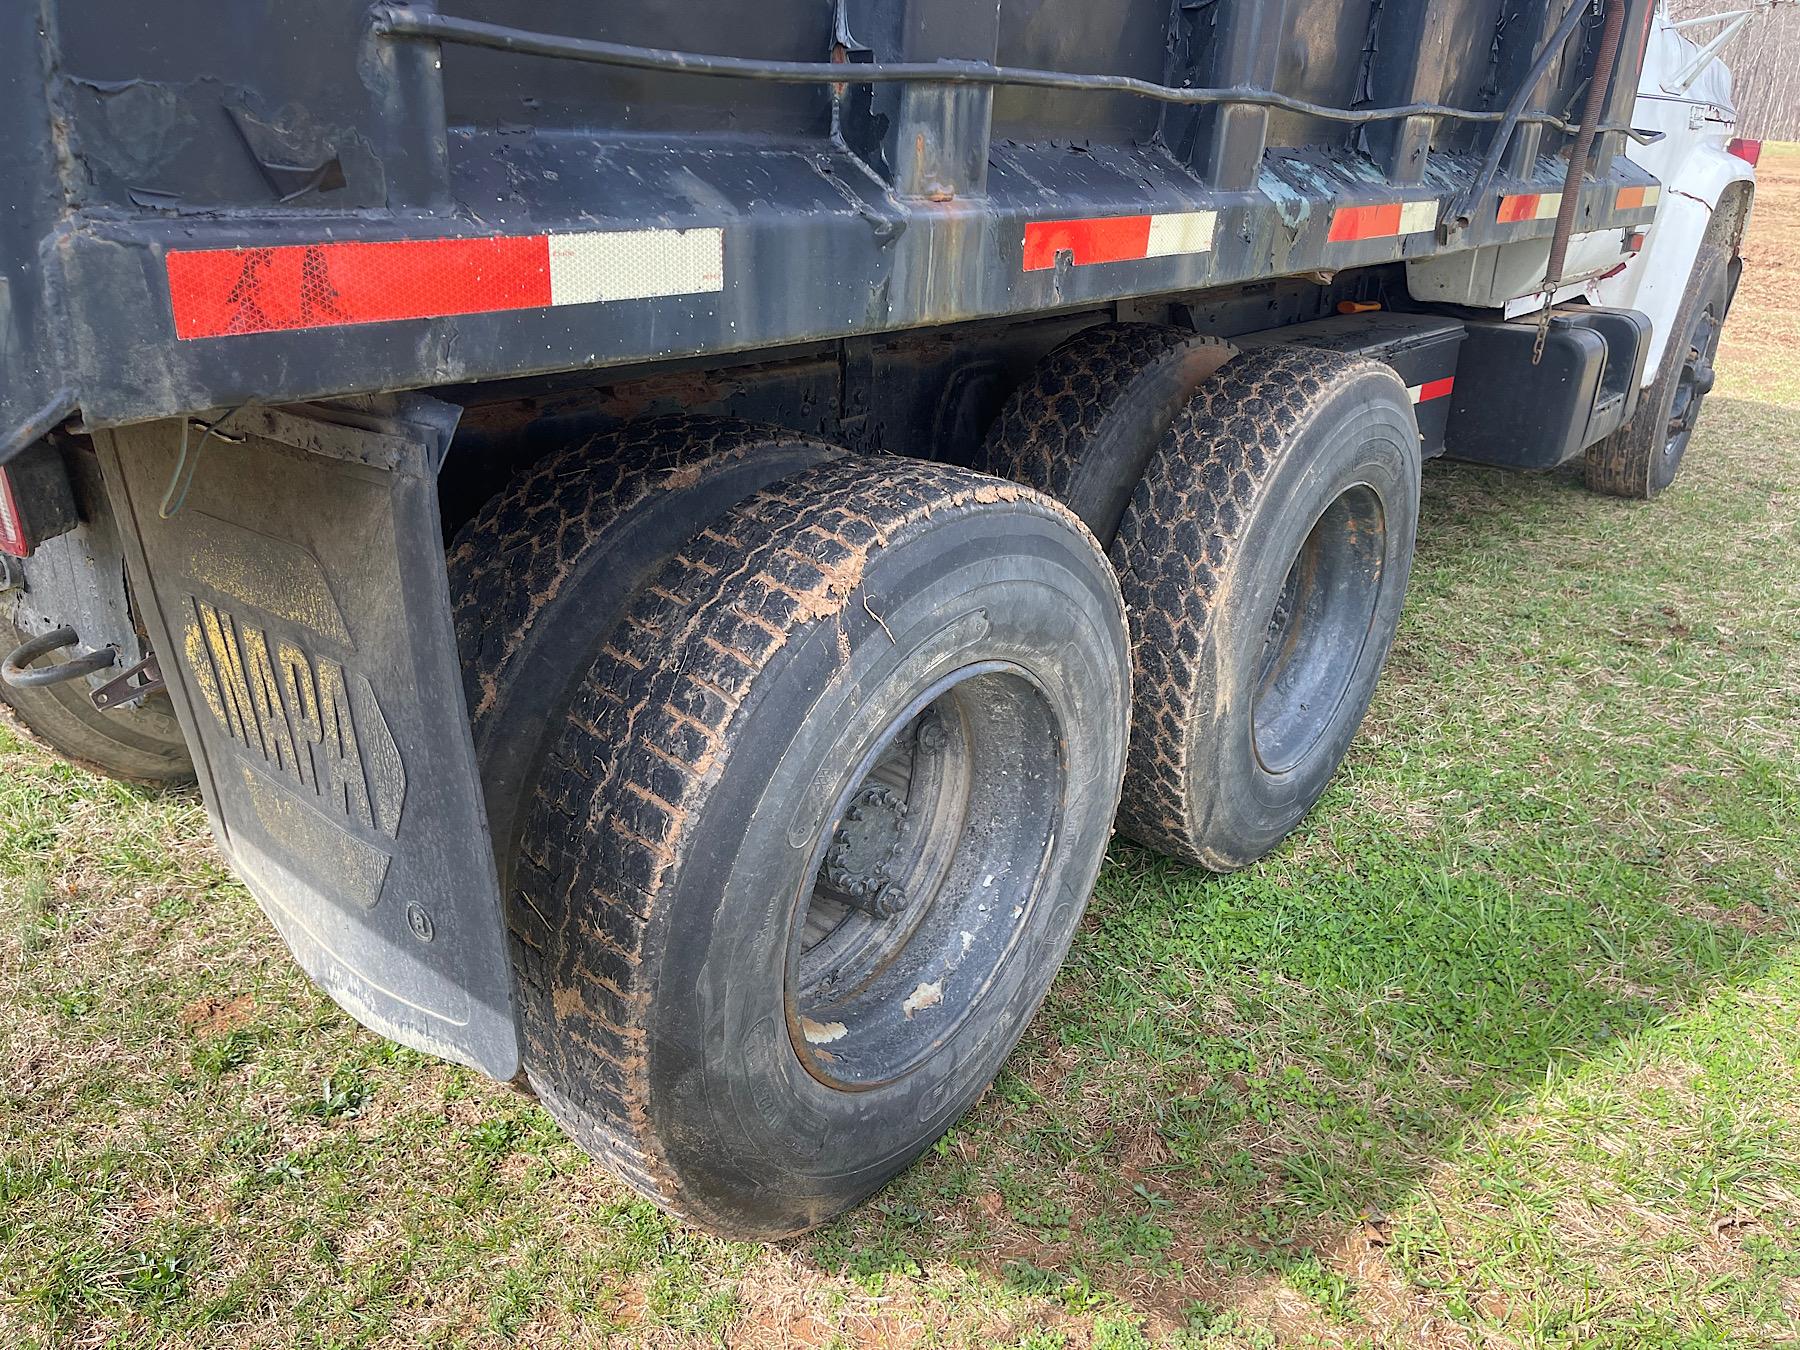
[{"x": 1695, "y": 167}]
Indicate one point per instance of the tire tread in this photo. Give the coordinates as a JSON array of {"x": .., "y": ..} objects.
[
  {"x": 1176, "y": 545},
  {"x": 1622, "y": 464},
  {"x": 645, "y": 741}
]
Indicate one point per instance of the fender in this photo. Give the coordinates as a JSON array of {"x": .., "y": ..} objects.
[{"x": 1654, "y": 280}]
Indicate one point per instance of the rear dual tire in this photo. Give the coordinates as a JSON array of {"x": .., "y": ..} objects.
[
  {"x": 1266, "y": 508},
  {"x": 836, "y": 698},
  {"x": 544, "y": 571},
  {"x": 1264, "y": 561},
  {"x": 1084, "y": 424}
]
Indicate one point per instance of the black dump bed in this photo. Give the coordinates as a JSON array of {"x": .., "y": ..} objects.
[{"x": 218, "y": 202}]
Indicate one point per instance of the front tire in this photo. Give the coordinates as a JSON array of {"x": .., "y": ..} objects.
[
  {"x": 814, "y": 836},
  {"x": 1642, "y": 457}
]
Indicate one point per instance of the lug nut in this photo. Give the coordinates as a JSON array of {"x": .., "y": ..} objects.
[{"x": 932, "y": 736}]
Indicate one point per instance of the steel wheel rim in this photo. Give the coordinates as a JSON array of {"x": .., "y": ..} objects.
[
  {"x": 1693, "y": 383},
  {"x": 976, "y": 760},
  {"x": 1318, "y": 628}
]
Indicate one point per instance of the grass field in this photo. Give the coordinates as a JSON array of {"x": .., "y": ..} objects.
[{"x": 1502, "y": 1049}]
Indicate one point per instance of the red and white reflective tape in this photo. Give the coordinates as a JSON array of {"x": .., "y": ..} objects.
[
  {"x": 1388, "y": 221},
  {"x": 1636, "y": 198},
  {"x": 219, "y": 292},
  {"x": 1431, "y": 389},
  {"x": 1529, "y": 206},
  {"x": 1105, "y": 239}
]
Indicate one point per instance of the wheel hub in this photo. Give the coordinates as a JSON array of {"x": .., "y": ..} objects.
[
  {"x": 925, "y": 877},
  {"x": 1316, "y": 630},
  {"x": 864, "y": 849},
  {"x": 1693, "y": 384}
]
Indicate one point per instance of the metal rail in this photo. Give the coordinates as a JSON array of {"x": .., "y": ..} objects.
[
  {"x": 1462, "y": 210},
  {"x": 1606, "y": 62},
  {"x": 398, "y": 22}
]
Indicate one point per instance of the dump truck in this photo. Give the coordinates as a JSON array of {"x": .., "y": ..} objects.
[{"x": 671, "y": 537}]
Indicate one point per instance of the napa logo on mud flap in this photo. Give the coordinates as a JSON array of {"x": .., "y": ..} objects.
[{"x": 304, "y": 717}]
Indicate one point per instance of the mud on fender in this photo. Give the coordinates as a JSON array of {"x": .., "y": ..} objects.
[{"x": 297, "y": 597}]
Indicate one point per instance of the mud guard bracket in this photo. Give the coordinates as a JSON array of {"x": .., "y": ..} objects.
[{"x": 299, "y": 601}]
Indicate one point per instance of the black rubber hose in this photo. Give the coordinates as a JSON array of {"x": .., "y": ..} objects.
[{"x": 13, "y": 669}]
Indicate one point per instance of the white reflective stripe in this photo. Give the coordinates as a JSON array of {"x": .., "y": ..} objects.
[
  {"x": 1651, "y": 194},
  {"x": 1418, "y": 216},
  {"x": 635, "y": 264},
  {"x": 1181, "y": 232},
  {"x": 1549, "y": 203}
]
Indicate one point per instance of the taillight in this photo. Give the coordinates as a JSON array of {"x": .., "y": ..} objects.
[
  {"x": 36, "y": 500},
  {"x": 12, "y": 523},
  {"x": 1748, "y": 151}
]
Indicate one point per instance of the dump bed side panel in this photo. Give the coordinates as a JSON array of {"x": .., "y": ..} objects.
[
  {"x": 270, "y": 202},
  {"x": 35, "y": 391}
]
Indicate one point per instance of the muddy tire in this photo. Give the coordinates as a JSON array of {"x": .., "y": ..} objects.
[
  {"x": 814, "y": 834},
  {"x": 141, "y": 745},
  {"x": 1642, "y": 457},
  {"x": 541, "y": 575},
  {"x": 1085, "y": 423},
  {"x": 1264, "y": 559}
]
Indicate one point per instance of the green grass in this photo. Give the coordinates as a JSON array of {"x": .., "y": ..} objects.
[{"x": 1503, "y": 1047}]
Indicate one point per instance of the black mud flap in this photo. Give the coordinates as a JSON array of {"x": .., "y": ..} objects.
[{"x": 291, "y": 572}]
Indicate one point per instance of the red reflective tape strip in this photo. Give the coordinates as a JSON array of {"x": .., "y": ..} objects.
[
  {"x": 1364, "y": 222},
  {"x": 1529, "y": 206},
  {"x": 1350, "y": 223},
  {"x": 216, "y": 292},
  {"x": 1100, "y": 240},
  {"x": 1522, "y": 207},
  {"x": 1106, "y": 239},
  {"x": 1424, "y": 393},
  {"x": 1636, "y": 198}
]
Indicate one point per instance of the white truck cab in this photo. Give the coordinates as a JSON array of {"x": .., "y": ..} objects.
[{"x": 1708, "y": 174}]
